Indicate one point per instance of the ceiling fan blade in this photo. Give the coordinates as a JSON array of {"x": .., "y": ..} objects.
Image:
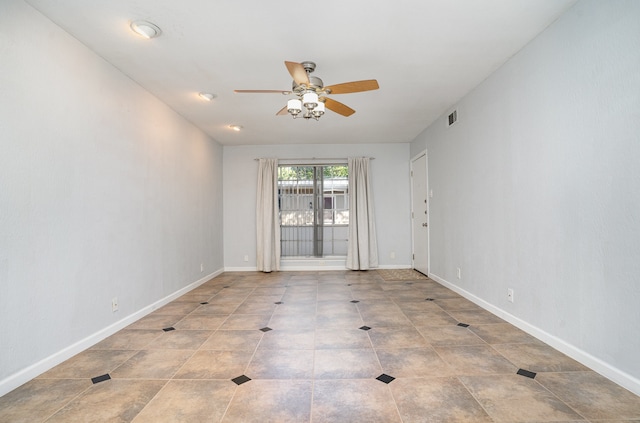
[
  {"x": 261, "y": 92},
  {"x": 297, "y": 72},
  {"x": 338, "y": 107},
  {"x": 353, "y": 87},
  {"x": 283, "y": 111}
]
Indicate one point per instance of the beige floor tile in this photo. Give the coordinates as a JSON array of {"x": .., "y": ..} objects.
[
  {"x": 281, "y": 364},
  {"x": 233, "y": 340},
  {"x": 456, "y": 304},
  {"x": 502, "y": 333},
  {"x": 211, "y": 364},
  {"x": 430, "y": 318},
  {"x": 353, "y": 401},
  {"x": 513, "y": 398},
  {"x": 316, "y": 365},
  {"x": 346, "y": 364},
  {"x": 128, "y": 339},
  {"x": 110, "y": 401},
  {"x": 193, "y": 298},
  {"x": 257, "y": 306},
  {"x": 341, "y": 338},
  {"x": 401, "y": 337},
  {"x": 189, "y": 401},
  {"x": 422, "y": 307},
  {"x": 449, "y": 335},
  {"x": 538, "y": 357},
  {"x": 180, "y": 340},
  {"x": 297, "y": 307},
  {"x": 201, "y": 322},
  {"x": 474, "y": 317},
  {"x": 88, "y": 364},
  {"x": 246, "y": 322},
  {"x": 475, "y": 359},
  {"x": 39, "y": 398},
  {"x": 592, "y": 395},
  {"x": 327, "y": 320},
  {"x": 342, "y": 295},
  {"x": 436, "y": 400},
  {"x": 293, "y": 321},
  {"x": 226, "y": 301},
  {"x": 367, "y": 294},
  {"x": 412, "y": 363},
  {"x": 289, "y": 339},
  {"x": 216, "y": 308},
  {"x": 271, "y": 401},
  {"x": 385, "y": 319},
  {"x": 277, "y": 291},
  {"x": 337, "y": 307},
  {"x": 177, "y": 308},
  {"x": 152, "y": 364},
  {"x": 156, "y": 321}
]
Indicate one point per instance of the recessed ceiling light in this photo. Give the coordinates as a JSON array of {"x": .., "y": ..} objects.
[
  {"x": 236, "y": 127},
  {"x": 207, "y": 96},
  {"x": 145, "y": 29}
]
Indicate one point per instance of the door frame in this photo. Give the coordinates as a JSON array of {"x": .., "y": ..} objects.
[{"x": 413, "y": 241}]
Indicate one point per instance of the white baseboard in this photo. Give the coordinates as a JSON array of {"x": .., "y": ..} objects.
[
  {"x": 23, "y": 376},
  {"x": 605, "y": 369},
  {"x": 241, "y": 269},
  {"x": 313, "y": 266}
]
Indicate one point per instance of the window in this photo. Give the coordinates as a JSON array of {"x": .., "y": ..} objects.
[{"x": 314, "y": 210}]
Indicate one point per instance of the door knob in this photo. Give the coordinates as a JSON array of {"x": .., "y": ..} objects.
[{"x": 425, "y": 225}]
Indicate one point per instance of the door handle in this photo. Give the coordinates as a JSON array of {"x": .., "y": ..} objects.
[{"x": 425, "y": 225}]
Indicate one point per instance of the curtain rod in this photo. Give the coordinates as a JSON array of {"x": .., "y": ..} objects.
[{"x": 319, "y": 158}]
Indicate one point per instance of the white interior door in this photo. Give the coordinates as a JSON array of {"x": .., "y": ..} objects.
[{"x": 419, "y": 216}]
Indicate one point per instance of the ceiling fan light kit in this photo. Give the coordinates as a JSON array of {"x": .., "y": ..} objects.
[{"x": 311, "y": 93}]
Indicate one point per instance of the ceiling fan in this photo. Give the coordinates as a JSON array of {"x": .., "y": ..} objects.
[{"x": 312, "y": 94}]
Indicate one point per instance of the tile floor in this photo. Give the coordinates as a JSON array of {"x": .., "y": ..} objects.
[{"x": 320, "y": 347}]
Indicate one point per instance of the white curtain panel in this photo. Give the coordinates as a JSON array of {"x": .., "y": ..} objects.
[
  {"x": 362, "y": 252},
  {"x": 267, "y": 220}
]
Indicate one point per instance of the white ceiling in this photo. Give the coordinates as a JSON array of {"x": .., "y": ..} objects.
[{"x": 425, "y": 54}]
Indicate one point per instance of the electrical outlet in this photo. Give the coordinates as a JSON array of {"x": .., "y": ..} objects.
[
  {"x": 246, "y": 258},
  {"x": 201, "y": 267},
  {"x": 392, "y": 255},
  {"x": 459, "y": 273},
  {"x": 510, "y": 295},
  {"x": 114, "y": 304}
]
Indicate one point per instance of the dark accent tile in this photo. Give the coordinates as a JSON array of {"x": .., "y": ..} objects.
[
  {"x": 348, "y": 284},
  {"x": 527, "y": 373},
  {"x": 464, "y": 325},
  {"x": 355, "y": 301},
  {"x": 385, "y": 378},
  {"x": 266, "y": 329},
  {"x": 100, "y": 378},
  {"x": 204, "y": 303},
  {"x": 226, "y": 286},
  {"x": 240, "y": 379},
  {"x": 278, "y": 302},
  {"x": 429, "y": 299},
  {"x": 408, "y": 283},
  {"x": 169, "y": 329},
  {"x": 364, "y": 327}
]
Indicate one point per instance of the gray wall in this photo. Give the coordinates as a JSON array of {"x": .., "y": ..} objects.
[
  {"x": 390, "y": 186},
  {"x": 537, "y": 188},
  {"x": 105, "y": 192}
]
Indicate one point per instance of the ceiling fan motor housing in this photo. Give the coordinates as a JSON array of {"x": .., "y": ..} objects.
[{"x": 315, "y": 84}]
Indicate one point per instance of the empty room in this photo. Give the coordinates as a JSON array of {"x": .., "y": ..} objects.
[{"x": 250, "y": 211}]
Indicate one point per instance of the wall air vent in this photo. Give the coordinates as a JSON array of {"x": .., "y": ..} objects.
[{"x": 453, "y": 117}]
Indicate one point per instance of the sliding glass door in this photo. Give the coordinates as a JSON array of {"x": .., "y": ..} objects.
[{"x": 314, "y": 212}]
